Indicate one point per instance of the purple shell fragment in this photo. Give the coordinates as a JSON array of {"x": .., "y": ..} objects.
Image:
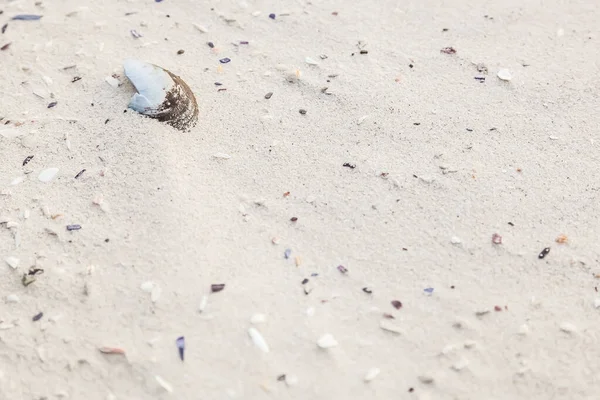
[
  {"x": 180, "y": 342},
  {"x": 26, "y": 17}
]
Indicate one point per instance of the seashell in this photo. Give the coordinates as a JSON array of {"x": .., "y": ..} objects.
[
  {"x": 161, "y": 95},
  {"x": 48, "y": 174}
]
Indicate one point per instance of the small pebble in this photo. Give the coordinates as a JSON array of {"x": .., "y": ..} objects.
[
  {"x": 272, "y": 16},
  {"x": 342, "y": 269},
  {"x": 37, "y": 317},
  {"x": 302, "y": 111},
  {"x": 396, "y": 304},
  {"x": 268, "y": 95},
  {"x": 224, "y": 60},
  {"x": 372, "y": 374},
  {"x": 180, "y": 51},
  {"x": 74, "y": 227},
  {"x": 327, "y": 341}
]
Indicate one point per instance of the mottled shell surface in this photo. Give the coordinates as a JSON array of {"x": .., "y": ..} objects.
[{"x": 161, "y": 95}]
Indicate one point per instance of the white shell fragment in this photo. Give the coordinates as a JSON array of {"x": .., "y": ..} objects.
[
  {"x": 291, "y": 380},
  {"x": 568, "y": 327},
  {"x": 201, "y": 28},
  {"x": 12, "y": 262},
  {"x": 203, "y": 303},
  {"x": 258, "y": 339},
  {"x": 155, "y": 293},
  {"x": 224, "y": 156},
  {"x": 48, "y": 174},
  {"x": 372, "y": 374},
  {"x": 12, "y": 298},
  {"x": 327, "y": 341},
  {"x": 161, "y": 95},
  {"x": 114, "y": 82},
  {"x": 148, "y": 286},
  {"x": 386, "y": 325},
  {"x": 455, "y": 240},
  {"x": 504, "y": 74},
  {"x": 460, "y": 364},
  {"x": 258, "y": 319},
  {"x": 164, "y": 384}
]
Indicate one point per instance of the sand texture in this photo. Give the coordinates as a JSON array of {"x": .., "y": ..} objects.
[{"x": 349, "y": 168}]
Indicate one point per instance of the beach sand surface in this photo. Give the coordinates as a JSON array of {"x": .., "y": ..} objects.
[{"x": 409, "y": 155}]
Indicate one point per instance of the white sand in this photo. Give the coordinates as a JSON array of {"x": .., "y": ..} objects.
[{"x": 483, "y": 155}]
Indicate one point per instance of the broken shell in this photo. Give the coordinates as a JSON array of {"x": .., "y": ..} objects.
[
  {"x": 258, "y": 339},
  {"x": 161, "y": 95}
]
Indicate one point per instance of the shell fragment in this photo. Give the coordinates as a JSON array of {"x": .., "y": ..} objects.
[
  {"x": 48, "y": 174},
  {"x": 161, "y": 95},
  {"x": 258, "y": 339},
  {"x": 327, "y": 341},
  {"x": 12, "y": 262}
]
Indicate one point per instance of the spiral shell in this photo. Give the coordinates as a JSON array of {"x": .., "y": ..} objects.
[{"x": 161, "y": 95}]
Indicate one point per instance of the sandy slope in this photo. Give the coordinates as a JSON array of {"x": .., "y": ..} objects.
[{"x": 461, "y": 159}]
